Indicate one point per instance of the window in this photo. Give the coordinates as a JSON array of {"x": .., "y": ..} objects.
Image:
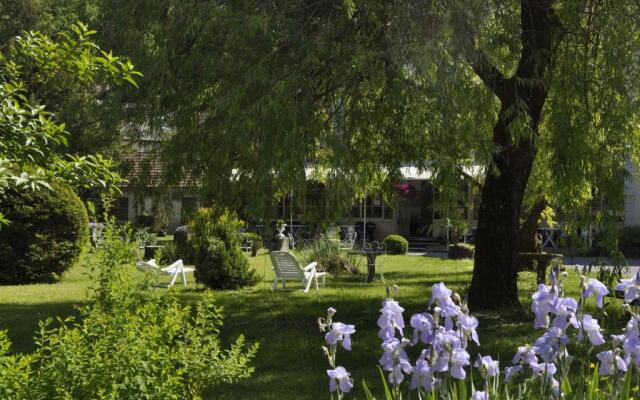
[
  {"x": 283, "y": 208},
  {"x": 375, "y": 208},
  {"x": 120, "y": 209}
]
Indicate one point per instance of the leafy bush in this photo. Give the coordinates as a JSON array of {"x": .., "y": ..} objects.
[
  {"x": 47, "y": 233},
  {"x": 133, "y": 343},
  {"x": 396, "y": 244},
  {"x": 144, "y": 237},
  {"x": 218, "y": 258},
  {"x": 461, "y": 250},
  {"x": 167, "y": 254}
]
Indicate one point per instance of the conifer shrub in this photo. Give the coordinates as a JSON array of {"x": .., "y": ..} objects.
[{"x": 219, "y": 261}]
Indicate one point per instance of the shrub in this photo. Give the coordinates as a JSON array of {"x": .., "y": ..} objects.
[
  {"x": 132, "y": 343},
  {"x": 145, "y": 237},
  {"x": 47, "y": 233},
  {"x": 461, "y": 250},
  {"x": 218, "y": 258},
  {"x": 167, "y": 254},
  {"x": 396, "y": 244}
]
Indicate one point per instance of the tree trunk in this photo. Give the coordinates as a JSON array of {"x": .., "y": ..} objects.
[{"x": 495, "y": 279}]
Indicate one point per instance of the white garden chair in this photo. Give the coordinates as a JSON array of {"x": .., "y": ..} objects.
[
  {"x": 175, "y": 269},
  {"x": 349, "y": 241},
  {"x": 286, "y": 267}
]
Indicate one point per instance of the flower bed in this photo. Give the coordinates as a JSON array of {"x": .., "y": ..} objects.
[{"x": 545, "y": 369}]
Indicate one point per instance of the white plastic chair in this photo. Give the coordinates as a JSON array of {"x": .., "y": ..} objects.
[
  {"x": 286, "y": 267},
  {"x": 175, "y": 269}
]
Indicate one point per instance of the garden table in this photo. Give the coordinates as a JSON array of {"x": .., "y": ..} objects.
[{"x": 370, "y": 254}]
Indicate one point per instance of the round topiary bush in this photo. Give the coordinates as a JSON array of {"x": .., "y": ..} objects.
[
  {"x": 46, "y": 235},
  {"x": 219, "y": 260},
  {"x": 396, "y": 244}
]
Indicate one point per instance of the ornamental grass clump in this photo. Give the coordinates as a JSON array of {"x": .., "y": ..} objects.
[{"x": 445, "y": 335}]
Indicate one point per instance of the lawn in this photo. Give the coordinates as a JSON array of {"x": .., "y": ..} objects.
[{"x": 290, "y": 363}]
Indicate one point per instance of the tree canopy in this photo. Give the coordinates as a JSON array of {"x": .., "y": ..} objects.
[{"x": 247, "y": 94}]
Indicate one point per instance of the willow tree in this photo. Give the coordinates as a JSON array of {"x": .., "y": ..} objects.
[{"x": 247, "y": 94}]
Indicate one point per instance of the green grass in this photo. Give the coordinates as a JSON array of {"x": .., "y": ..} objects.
[{"x": 290, "y": 363}]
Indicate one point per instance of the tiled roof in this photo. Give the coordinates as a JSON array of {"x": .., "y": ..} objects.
[{"x": 145, "y": 169}]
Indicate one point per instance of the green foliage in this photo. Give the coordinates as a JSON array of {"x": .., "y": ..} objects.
[
  {"x": 34, "y": 142},
  {"x": 133, "y": 342},
  {"x": 167, "y": 254},
  {"x": 144, "y": 237},
  {"x": 219, "y": 260},
  {"x": 49, "y": 230},
  {"x": 396, "y": 244}
]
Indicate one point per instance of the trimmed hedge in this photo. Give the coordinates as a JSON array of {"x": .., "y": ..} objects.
[
  {"x": 396, "y": 244},
  {"x": 461, "y": 250},
  {"x": 47, "y": 233}
]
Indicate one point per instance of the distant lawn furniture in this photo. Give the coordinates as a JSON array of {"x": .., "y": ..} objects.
[
  {"x": 95, "y": 231},
  {"x": 542, "y": 261},
  {"x": 371, "y": 250},
  {"x": 349, "y": 241},
  {"x": 175, "y": 269},
  {"x": 287, "y": 267},
  {"x": 296, "y": 233},
  {"x": 470, "y": 236},
  {"x": 246, "y": 244}
]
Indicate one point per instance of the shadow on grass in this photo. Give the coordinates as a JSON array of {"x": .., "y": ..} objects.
[{"x": 21, "y": 321}]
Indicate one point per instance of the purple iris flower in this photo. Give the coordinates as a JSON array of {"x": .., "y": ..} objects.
[
  {"x": 478, "y": 395},
  {"x": 525, "y": 355},
  {"x": 597, "y": 289},
  {"x": 630, "y": 287},
  {"x": 423, "y": 325},
  {"x": 468, "y": 325},
  {"x": 340, "y": 333},
  {"x": 543, "y": 301},
  {"x": 459, "y": 359},
  {"x": 395, "y": 360},
  {"x": 339, "y": 378},
  {"x": 390, "y": 319},
  {"x": 609, "y": 362},
  {"x": 439, "y": 293},
  {"x": 513, "y": 371},
  {"x": 592, "y": 328},
  {"x": 487, "y": 366},
  {"x": 565, "y": 310},
  {"x": 422, "y": 376}
]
